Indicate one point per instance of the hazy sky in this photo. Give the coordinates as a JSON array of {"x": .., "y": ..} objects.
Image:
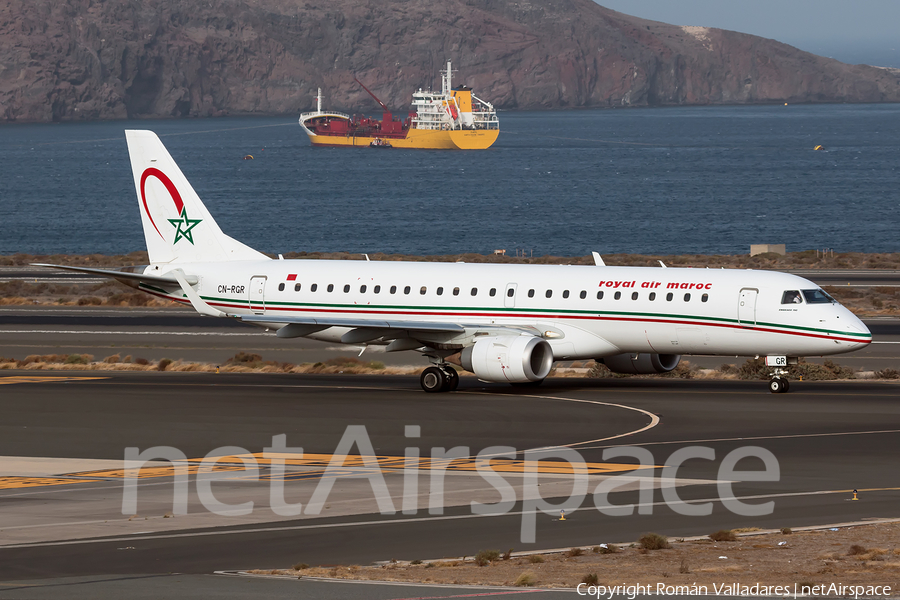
[{"x": 866, "y": 31}]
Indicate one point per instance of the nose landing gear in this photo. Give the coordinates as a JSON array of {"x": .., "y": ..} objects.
[{"x": 779, "y": 384}]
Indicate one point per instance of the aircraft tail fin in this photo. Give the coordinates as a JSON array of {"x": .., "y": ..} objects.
[{"x": 177, "y": 226}]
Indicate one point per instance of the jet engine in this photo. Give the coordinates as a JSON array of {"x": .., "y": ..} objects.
[
  {"x": 641, "y": 364},
  {"x": 508, "y": 358}
]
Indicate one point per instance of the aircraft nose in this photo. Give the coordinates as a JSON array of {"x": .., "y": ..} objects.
[{"x": 858, "y": 330}]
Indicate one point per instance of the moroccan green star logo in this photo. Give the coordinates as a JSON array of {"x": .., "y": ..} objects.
[{"x": 183, "y": 227}]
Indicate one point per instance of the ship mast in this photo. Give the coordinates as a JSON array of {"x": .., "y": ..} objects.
[
  {"x": 319, "y": 101},
  {"x": 445, "y": 81}
]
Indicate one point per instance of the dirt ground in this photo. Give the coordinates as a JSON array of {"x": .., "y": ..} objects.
[{"x": 867, "y": 555}]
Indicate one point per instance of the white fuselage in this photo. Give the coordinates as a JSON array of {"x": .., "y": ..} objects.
[{"x": 642, "y": 309}]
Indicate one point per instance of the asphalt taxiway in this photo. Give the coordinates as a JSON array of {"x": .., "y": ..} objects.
[{"x": 828, "y": 439}]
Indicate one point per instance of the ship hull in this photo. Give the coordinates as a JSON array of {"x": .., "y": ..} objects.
[{"x": 423, "y": 139}]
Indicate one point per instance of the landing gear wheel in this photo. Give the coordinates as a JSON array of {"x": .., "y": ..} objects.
[
  {"x": 452, "y": 379},
  {"x": 433, "y": 380},
  {"x": 787, "y": 384},
  {"x": 777, "y": 385}
]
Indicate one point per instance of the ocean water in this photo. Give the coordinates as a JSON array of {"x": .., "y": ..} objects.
[{"x": 709, "y": 180}]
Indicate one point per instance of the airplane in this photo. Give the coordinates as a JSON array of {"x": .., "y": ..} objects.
[{"x": 504, "y": 323}]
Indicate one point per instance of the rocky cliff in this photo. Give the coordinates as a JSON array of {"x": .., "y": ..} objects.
[{"x": 107, "y": 59}]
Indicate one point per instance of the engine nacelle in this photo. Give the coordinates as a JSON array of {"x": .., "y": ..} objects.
[
  {"x": 641, "y": 364},
  {"x": 508, "y": 358}
]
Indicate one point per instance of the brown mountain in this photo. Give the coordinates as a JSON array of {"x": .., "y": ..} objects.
[{"x": 93, "y": 59}]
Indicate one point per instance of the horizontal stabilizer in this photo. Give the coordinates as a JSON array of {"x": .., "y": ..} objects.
[{"x": 124, "y": 275}]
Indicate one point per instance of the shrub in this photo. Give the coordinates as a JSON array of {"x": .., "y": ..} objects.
[
  {"x": 376, "y": 365},
  {"x": 300, "y": 566},
  {"x": 786, "y": 531},
  {"x": 244, "y": 358},
  {"x": 606, "y": 549},
  {"x": 654, "y": 541},
  {"x": 78, "y": 359},
  {"x": 590, "y": 579},
  {"x": 141, "y": 361},
  {"x": 526, "y": 579},
  {"x": 723, "y": 535},
  {"x": 573, "y": 552},
  {"x": 535, "y": 559},
  {"x": 164, "y": 363},
  {"x": 856, "y": 550},
  {"x": 887, "y": 374},
  {"x": 485, "y": 557},
  {"x": 416, "y": 562},
  {"x": 684, "y": 568},
  {"x": 115, "y": 358},
  {"x": 507, "y": 555}
]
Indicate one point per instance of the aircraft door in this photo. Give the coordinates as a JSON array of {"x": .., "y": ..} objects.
[
  {"x": 509, "y": 298},
  {"x": 747, "y": 307},
  {"x": 257, "y": 295}
]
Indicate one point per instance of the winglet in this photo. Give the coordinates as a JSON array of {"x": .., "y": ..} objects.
[
  {"x": 597, "y": 259},
  {"x": 196, "y": 301}
]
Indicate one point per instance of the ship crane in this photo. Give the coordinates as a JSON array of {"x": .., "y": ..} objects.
[{"x": 386, "y": 109}]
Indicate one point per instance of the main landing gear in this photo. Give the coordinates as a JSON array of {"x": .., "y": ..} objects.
[
  {"x": 439, "y": 378},
  {"x": 779, "y": 384}
]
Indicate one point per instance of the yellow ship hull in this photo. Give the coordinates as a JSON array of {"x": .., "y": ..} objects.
[{"x": 423, "y": 139}]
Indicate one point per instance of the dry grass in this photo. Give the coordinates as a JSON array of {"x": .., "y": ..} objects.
[
  {"x": 86, "y": 362},
  {"x": 810, "y": 556}
]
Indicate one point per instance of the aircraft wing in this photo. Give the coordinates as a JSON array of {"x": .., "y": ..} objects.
[
  {"x": 123, "y": 275},
  {"x": 364, "y": 329}
]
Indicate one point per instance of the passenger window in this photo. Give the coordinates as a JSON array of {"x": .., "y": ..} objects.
[
  {"x": 347, "y": 289},
  {"x": 687, "y": 297},
  {"x": 330, "y": 287},
  {"x": 549, "y": 293},
  {"x": 600, "y": 295},
  {"x": 280, "y": 287},
  {"x": 583, "y": 294},
  {"x": 314, "y": 287},
  {"x": 618, "y": 295},
  {"x": 634, "y": 295},
  {"x": 422, "y": 290},
  {"x": 440, "y": 291},
  {"x": 377, "y": 289},
  {"x": 510, "y": 292},
  {"x": 362, "y": 289},
  {"x": 406, "y": 290},
  {"x": 652, "y": 296},
  {"x": 817, "y": 297},
  {"x": 393, "y": 289},
  {"x": 565, "y": 293},
  {"x": 296, "y": 287},
  {"x": 669, "y": 297},
  {"x": 791, "y": 297},
  {"x": 531, "y": 293},
  {"x": 456, "y": 291},
  {"x": 474, "y": 291},
  {"x": 704, "y": 297},
  {"x": 493, "y": 292}
]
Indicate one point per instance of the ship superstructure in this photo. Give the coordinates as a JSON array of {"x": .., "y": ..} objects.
[{"x": 449, "y": 119}]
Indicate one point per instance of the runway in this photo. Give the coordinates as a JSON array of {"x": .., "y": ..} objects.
[{"x": 828, "y": 439}]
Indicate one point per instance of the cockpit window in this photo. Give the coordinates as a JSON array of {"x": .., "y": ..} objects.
[
  {"x": 817, "y": 297},
  {"x": 791, "y": 297}
]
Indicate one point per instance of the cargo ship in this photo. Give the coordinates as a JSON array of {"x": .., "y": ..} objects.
[{"x": 452, "y": 119}]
